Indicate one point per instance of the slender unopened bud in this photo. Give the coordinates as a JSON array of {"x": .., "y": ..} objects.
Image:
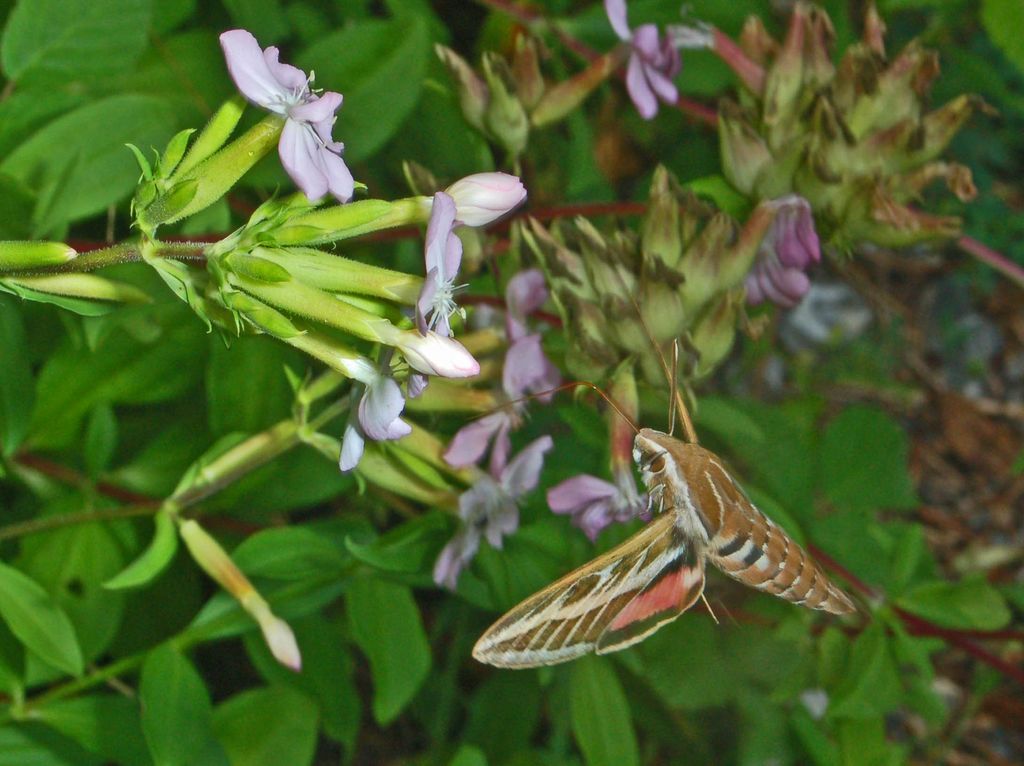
[
  {"x": 485, "y": 197},
  {"x": 714, "y": 334},
  {"x": 745, "y": 156},
  {"x": 216, "y": 562},
  {"x": 526, "y": 72},
  {"x": 661, "y": 237},
  {"x": 473, "y": 93},
  {"x": 621, "y": 422},
  {"x": 15, "y": 256},
  {"x": 352, "y": 220},
  {"x": 212, "y": 178},
  {"x": 505, "y": 118},
  {"x": 562, "y": 99},
  {"x": 215, "y": 134},
  {"x": 87, "y": 286}
]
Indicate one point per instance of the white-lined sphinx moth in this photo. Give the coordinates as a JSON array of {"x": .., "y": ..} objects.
[{"x": 657, "y": 574}]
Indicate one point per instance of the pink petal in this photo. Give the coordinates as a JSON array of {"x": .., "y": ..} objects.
[
  {"x": 470, "y": 442},
  {"x": 574, "y": 494},
  {"x": 639, "y": 90},
  {"x": 379, "y": 409},
  {"x": 318, "y": 109},
  {"x": 616, "y": 11},
  {"x": 248, "y": 68},
  {"x": 352, "y": 445},
  {"x": 439, "y": 227},
  {"x": 286, "y": 74},
  {"x": 647, "y": 42},
  {"x": 661, "y": 85},
  {"x": 525, "y": 293},
  {"x": 299, "y": 150},
  {"x": 523, "y": 471}
]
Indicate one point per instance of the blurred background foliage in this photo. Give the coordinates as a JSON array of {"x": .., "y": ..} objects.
[{"x": 895, "y": 449}]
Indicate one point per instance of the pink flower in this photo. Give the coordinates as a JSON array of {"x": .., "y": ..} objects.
[
  {"x": 377, "y": 418},
  {"x": 653, "y": 63},
  {"x": 442, "y": 256},
  {"x": 490, "y": 509},
  {"x": 308, "y": 152},
  {"x": 789, "y": 248},
  {"x": 594, "y": 503},
  {"x": 526, "y": 370},
  {"x": 482, "y": 198}
]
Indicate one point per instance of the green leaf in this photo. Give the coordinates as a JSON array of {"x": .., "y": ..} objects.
[
  {"x": 468, "y": 755},
  {"x": 489, "y": 724},
  {"x": 600, "y": 714},
  {"x": 268, "y": 727},
  {"x": 28, "y": 743},
  {"x": 246, "y": 389},
  {"x": 386, "y": 625},
  {"x": 972, "y": 604},
  {"x": 266, "y": 19},
  {"x": 108, "y": 725},
  {"x": 82, "y": 306},
  {"x": 1002, "y": 20},
  {"x": 153, "y": 560},
  {"x": 17, "y": 390},
  {"x": 730, "y": 422},
  {"x": 870, "y": 686},
  {"x": 381, "y": 75},
  {"x": 723, "y": 194},
  {"x": 864, "y": 461},
  {"x": 71, "y": 563},
  {"x": 289, "y": 553},
  {"x": 175, "y": 701},
  {"x": 37, "y": 621},
  {"x": 327, "y": 674},
  {"x": 100, "y": 171},
  {"x": 100, "y": 439},
  {"x": 73, "y": 39},
  {"x": 121, "y": 370},
  {"x": 410, "y": 547}
]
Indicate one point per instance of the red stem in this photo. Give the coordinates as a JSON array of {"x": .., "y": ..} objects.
[
  {"x": 919, "y": 626},
  {"x": 996, "y": 260}
]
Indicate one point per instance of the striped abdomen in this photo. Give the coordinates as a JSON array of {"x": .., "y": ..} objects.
[{"x": 751, "y": 548}]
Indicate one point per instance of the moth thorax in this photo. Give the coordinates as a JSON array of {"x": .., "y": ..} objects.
[{"x": 659, "y": 458}]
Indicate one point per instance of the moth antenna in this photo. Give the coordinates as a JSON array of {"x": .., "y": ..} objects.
[
  {"x": 710, "y": 610},
  {"x": 677, "y": 404},
  {"x": 573, "y": 384}
]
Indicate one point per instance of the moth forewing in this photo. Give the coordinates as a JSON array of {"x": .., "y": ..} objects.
[{"x": 607, "y": 604}]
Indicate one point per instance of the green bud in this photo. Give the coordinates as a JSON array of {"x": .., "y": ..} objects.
[
  {"x": 212, "y": 178},
  {"x": 562, "y": 99},
  {"x": 174, "y": 152},
  {"x": 342, "y": 275},
  {"x": 352, "y": 220},
  {"x": 305, "y": 301},
  {"x": 505, "y": 118},
  {"x": 421, "y": 181},
  {"x": 784, "y": 81},
  {"x": 254, "y": 267},
  {"x": 526, "y": 72},
  {"x": 83, "y": 286},
  {"x": 473, "y": 94},
  {"x": 660, "y": 236},
  {"x": 215, "y": 134},
  {"x": 16, "y": 256},
  {"x": 269, "y": 320},
  {"x": 745, "y": 157},
  {"x": 714, "y": 334}
]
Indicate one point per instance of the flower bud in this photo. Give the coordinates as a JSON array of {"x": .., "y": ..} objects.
[
  {"x": 562, "y": 99},
  {"x": 215, "y": 561},
  {"x": 473, "y": 93},
  {"x": 526, "y": 72},
  {"x": 352, "y": 219},
  {"x": 87, "y": 286},
  {"x": 714, "y": 334},
  {"x": 215, "y": 134},
  {"x": 745, "y": 156},
  {"x": 482, "y": 198},
  {"x": 212, "y": 178},
  {"x": 505, "y": 118},
  {"x": 15, "y": 256},
  {"x": 434, "y": 354},
  {"x": 661, "y": 237}
]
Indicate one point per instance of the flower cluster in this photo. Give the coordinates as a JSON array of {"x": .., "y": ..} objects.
[
  {"x": 855, "y": 139},
  {"x": 653, "y": 61}
]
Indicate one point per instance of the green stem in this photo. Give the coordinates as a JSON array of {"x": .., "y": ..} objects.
[{"x": 70, "y": 519}]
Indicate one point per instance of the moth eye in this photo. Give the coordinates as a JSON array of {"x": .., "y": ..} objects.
[{"x": 657, "y": 463}]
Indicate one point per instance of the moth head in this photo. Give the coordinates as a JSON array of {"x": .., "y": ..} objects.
[{"x": 650, "y": 451}]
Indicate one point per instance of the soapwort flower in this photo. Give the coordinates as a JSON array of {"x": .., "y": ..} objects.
[
  {"x": 526, "y": 370},
  {"x": 653, "y": 62},
  {"x": 377, "y": 416},
  {"x": 490, "y": 508},
  {"x": 308, "y": 152},
  {"x": 789, "y": 248},
  {"x": 594, "y": 503}
]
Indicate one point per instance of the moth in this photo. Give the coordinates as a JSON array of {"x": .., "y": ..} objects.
[{"x": 626, "y": 594}]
